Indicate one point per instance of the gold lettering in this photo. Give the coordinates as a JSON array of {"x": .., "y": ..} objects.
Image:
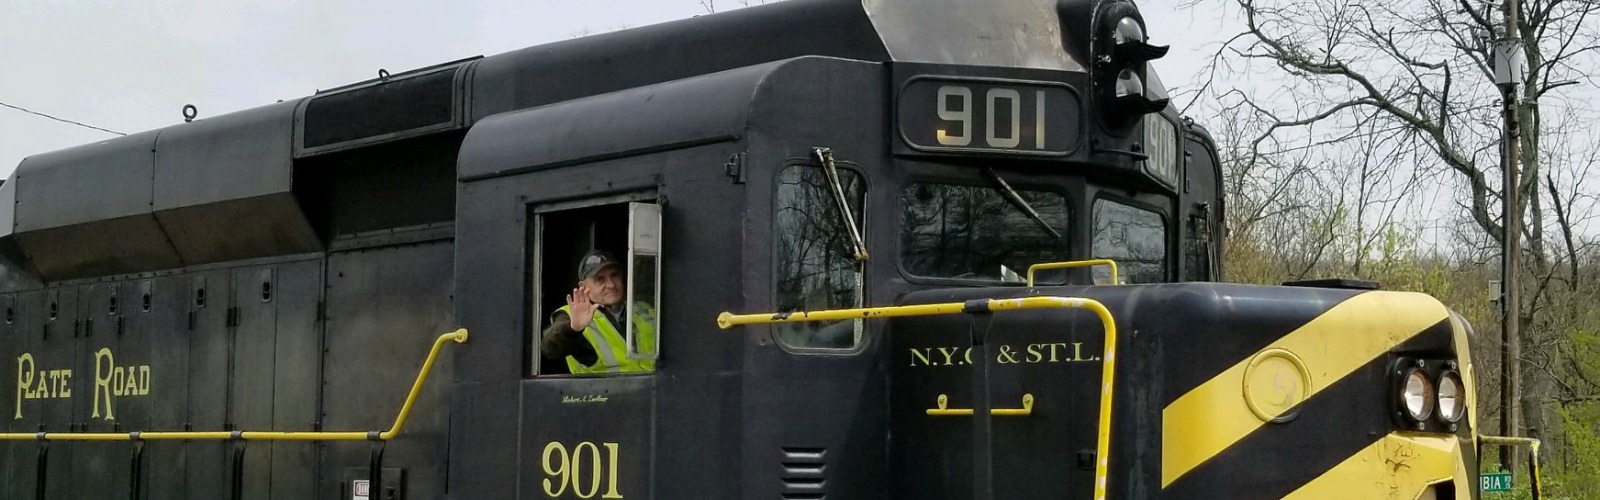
[
  {"x": 55, "y": 383},
  {"x": 66, "y": 384},
  {"x": 24, "y": 380},
  {"x": 1053, "y": 347},
  {"x": 1006, "y": 356},
  {"x": 144, "y": 380},
  {"x": 565, "y": 470},
  {"x": 1057, "y": 352},
  {"x": 42, "y": 390},
  {"x": 921, "y": 354},
  {"x": 103, "y": 372},
  {"x": 133, "y": 381}
]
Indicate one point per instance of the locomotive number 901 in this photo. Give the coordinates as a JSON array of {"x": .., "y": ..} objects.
[{"x": 1034, "y": 118}]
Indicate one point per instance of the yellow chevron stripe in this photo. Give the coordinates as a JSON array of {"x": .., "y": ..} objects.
[
  {"x": 1409, "y": 462},
  {"x": 1214, "y": 416}
]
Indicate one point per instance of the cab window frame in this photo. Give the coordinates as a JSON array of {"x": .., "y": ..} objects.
[
  {"x": 534, "y": 273},
  {"x": 862, "y": 339},
  {"x": 1169, "y": 267},
  {"x": 1064, "y": 190}
]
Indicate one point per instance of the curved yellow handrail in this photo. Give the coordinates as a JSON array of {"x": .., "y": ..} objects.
[
  {"x": 1108, "y": 369},
  {"x": 458, "y": 336},
  {"x": 1045, "y": 266}
]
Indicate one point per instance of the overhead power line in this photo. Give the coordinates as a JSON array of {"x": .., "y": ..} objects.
[{"x": 62, "y": 120}]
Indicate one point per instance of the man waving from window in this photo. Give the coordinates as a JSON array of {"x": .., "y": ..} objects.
[{"x": 588, "y": 332}]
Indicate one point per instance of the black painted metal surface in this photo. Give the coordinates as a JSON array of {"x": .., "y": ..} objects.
[
  {"x": 224, "y": 187},
  {"x": 165, "y": 322},
  {"x": 86, "y": 211},
  {"x": 384, "y": 308}
]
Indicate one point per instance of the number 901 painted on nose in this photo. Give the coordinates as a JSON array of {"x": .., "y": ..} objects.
[{"x": 1030, "y": 118}]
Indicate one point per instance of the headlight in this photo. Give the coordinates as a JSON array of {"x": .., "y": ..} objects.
[
  {"x": 1452, "y": 397},
  {"x": 1417, "y": 395}
]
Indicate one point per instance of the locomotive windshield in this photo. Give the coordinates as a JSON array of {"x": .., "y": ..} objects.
[
  {"x": 975, "y": 232},
  {"x": 816, "y": 263},
  {"x": 1134, "y": 237}
]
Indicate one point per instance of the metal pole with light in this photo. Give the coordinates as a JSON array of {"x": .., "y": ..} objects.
[{"x": 1507, "y": 75}]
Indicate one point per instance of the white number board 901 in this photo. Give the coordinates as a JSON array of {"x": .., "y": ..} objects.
[{"x": 980, "y": 116}]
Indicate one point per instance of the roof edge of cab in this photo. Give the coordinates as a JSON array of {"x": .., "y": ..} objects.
[{"x": 693, "y": 111}]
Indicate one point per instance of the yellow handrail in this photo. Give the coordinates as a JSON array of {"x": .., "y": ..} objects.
[
  {"x": 1108, "y": 365},
  {"x": 1045, "y": 266},
  {"x": 459, "y": 336},
  {"x": 1533, "y": 456}
]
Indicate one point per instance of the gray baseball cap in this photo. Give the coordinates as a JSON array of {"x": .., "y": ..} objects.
[{"x": 594, "y": 261}]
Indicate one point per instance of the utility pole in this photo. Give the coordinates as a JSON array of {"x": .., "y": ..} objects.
[{"x": 1508, "y": 74}]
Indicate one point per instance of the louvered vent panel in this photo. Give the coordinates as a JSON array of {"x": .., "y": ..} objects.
[
  {"x": 805, "y": 473},
  {"x": 395, "y": 107}
]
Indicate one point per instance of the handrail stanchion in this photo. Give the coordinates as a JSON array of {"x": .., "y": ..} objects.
[
  {"x": 236, "y": 483},
  {"x": 136, "y": 471},
  {"x": 44, "y": 464},
  {"x": 375, "y": 469}
]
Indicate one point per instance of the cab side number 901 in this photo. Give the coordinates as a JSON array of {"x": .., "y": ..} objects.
[
  {"x": 979, "y": 116},
  {"x": 581, "y": 471}
]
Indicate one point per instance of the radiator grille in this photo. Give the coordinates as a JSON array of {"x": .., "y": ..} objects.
[{"x": 379, "y": 110}]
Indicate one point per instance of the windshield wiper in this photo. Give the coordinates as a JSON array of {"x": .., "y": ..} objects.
[
  {"x": 858, "y": 246},
  {"x": 1021, "y": 204}
]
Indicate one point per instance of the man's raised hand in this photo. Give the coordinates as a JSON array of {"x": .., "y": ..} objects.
[{"x": 581, "y": 309}]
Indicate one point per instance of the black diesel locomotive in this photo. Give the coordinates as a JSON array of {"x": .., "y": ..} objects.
[{"x": 237, "y": 307}]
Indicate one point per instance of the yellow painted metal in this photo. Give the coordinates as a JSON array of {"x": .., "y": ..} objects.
[
  {"x": 1264, "y": 390},
  {"x": 1108, "y": 368},
  {"x": 944, "y": 409},
  {"x": 728, "y": 320},
  {"x": 1461, "y": 345},
  {"x": 1400, "y": 465},
  {"x": 1212, "y": 417},
  {"x": 1074, "y": 264},
  {"x": 458, "y": 336},
  {"x": 1533, "y": 456}
]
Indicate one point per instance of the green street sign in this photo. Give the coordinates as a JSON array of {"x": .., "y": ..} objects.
[{"x": 1495, "y": 481}]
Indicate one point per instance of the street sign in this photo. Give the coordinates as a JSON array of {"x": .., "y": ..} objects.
[{"x": 1495, "y": 481}]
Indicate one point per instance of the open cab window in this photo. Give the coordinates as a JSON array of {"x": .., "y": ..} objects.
[{"x": 625, "y": 336}]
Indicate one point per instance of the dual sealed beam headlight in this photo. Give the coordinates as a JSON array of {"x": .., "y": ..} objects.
[
  {"x": 1417, "y": 395},
  {"x": 1430, "y": 395}
]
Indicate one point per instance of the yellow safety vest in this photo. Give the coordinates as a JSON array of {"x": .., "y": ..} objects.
[{"x": 611, "y": 348}]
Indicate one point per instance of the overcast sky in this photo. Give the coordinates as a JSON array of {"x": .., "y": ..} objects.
[{"x": 131, "y": 66}]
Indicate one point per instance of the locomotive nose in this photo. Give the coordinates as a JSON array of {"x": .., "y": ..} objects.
[{"x": 1006, "y": 404}]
